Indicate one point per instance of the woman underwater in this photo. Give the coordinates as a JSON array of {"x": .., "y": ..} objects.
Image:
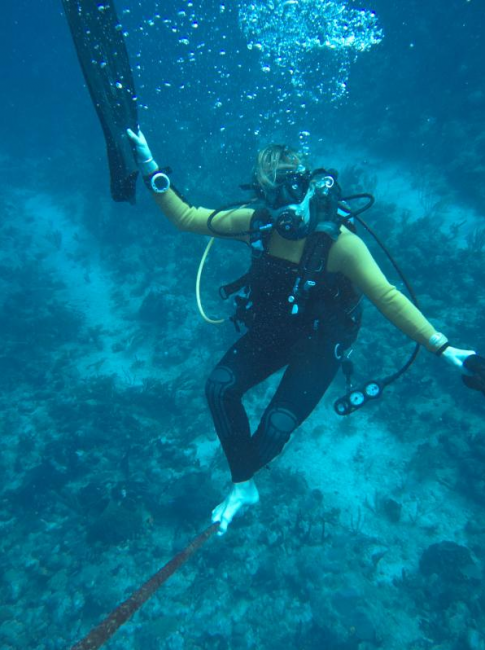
[{"x": 301, "y": 306}]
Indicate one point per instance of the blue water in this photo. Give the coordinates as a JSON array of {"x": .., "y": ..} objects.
[{"x": 371, "y": 530}]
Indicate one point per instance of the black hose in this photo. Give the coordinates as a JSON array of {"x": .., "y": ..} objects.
[
  {"x": 353, "y": 197},
  {"x": 232, "y": 235},
  {"x": 410, "y": 290}
]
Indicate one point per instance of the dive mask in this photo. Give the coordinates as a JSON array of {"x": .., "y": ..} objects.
[
  {"x": 292, "y": 187},
  {"x": 298, "y": 218}
]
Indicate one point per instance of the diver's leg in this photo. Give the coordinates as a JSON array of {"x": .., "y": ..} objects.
[
  {"x": 311, "y": 370},
  {"x": 246, "y": 364}
]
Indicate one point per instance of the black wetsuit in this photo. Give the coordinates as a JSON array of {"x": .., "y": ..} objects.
[{"x": 309, "y": 345}]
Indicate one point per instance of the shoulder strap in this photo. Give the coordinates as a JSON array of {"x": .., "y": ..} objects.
[
  {"x": 313, "y": 266},
  {"x": 315, "y": 253}
]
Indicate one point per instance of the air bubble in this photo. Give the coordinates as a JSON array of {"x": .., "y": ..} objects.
[{"x": 322, "y": 26}]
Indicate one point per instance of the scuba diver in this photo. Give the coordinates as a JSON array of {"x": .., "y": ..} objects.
[{"x": 299, "y": 302}]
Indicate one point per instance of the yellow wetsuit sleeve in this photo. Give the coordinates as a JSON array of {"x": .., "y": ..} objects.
[
  {"x": 350, "y": 256},
  {"x": 191, "y": 219}
]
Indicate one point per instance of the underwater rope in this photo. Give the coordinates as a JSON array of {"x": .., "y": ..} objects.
[{"x": 105, "y": 630}]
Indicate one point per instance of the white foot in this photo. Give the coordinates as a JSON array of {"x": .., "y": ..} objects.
[{"x": 242, "y": 495}]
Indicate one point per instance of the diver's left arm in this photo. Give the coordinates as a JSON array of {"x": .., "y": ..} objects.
[{"x": 350, "y": 256}]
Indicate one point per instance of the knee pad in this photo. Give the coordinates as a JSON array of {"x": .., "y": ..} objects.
[
  {"x": 219, "y": 383},
  {"x": 280, "y": 424},
  {"x": 221, "y": 397},
  {"x": 274, "y": 432}
]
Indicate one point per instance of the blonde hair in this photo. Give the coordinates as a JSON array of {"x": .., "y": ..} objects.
[{"x": 273, "y": 159}]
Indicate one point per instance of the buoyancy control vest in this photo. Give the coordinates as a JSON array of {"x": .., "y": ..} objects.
[{"x": 276, "y": 293}]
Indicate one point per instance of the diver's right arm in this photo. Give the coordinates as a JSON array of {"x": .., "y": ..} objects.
[
  {"x": 191, "y": 219},
  {"x": 183, "y": 216}
]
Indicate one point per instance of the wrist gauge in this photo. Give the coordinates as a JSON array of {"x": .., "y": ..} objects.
[{"x": 159, "y": 182}]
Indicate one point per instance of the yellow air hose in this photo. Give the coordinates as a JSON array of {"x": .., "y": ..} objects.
[{"x": 197, "y": 287}]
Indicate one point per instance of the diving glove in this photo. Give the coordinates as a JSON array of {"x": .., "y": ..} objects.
[
  {"x": 475, "y": 365},
  {"x": 155, "y": 179},
  {"x": 143, "y": 155},
  {"x": 457, "y": 357}
]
